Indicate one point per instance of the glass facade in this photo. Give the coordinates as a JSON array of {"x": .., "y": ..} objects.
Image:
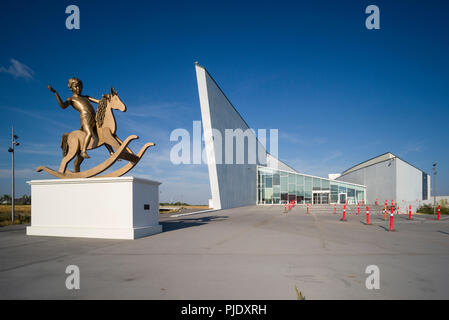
[{"x": 279, "y": 187}]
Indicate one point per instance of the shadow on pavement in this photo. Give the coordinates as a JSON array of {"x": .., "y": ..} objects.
[
  {"x": 14, "y": 228},
  {"x": 188, "y": 222},
  {"x": 387, "y": 228}
]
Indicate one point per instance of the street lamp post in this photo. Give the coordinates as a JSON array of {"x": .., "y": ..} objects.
[
  {"x": 434, "y": 169},
  {"x": 14, "y": 143}
]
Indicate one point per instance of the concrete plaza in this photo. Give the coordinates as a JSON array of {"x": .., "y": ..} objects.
[{"x": 254, "y": 252}]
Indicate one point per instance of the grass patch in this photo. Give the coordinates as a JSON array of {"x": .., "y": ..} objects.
[
  {"x": 22, "y": 214},
  {"x": 428, "y": 209},
  {"x": 164, "y": 208},
  {"x": 164, "y": 211}
]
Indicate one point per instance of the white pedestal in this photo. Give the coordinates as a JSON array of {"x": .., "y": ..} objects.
[{"x": 108, "y": 208}]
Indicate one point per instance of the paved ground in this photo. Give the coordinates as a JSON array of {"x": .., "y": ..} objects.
[{"x": 244, "y": 253}]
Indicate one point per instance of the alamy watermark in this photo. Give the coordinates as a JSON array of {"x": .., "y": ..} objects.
[
  {"x": 72, "y": 282},
  {"x": 225, "y": 146},
  {"x": 373, "y": 20},
  {"x": 73, "y": 20},
  {"x": 373, "y": 280}
]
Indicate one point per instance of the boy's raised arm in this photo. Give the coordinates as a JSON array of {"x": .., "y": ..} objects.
[{"x": 62, "y": 104}]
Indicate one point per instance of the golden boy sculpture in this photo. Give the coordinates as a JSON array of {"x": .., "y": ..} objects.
[
  {"x": 97, "y": 129},
  {"x": 83, "y": 106}
]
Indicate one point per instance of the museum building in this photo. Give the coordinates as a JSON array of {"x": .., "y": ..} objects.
[{"x": 270, "y": 181}]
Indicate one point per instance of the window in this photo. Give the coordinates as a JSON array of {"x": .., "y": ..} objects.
[
  {"x": 359, "y": 196},
  {"x": 284, "y": 182},
  {"x": 269, "y": 182},
  {"x": 351, "y": 195},
  {"x": 279, "y": 187},
  {"x": 276, "y": 191},
  {"x": 276, "y": 179},
  {"x": 292, "y": 188},
  {"x": 300, "y": 191},
  {"x": 291, "y": 178},
  {"x": 308, "y": 184},
  {"x": 334, "y": 193},
  {"x": 268, "y": 195},
  {"x": 316, "y": 184},
  {"x": 284, "y": 197}
]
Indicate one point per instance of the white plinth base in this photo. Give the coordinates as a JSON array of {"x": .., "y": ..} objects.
[
  {"x": 103, "y": 233},
  {"x": 107, "y": 208}
]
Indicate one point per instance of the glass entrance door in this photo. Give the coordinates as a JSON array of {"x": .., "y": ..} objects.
[
  {"x": 316, "y": 198},
  {"x": 325, "y": 198},
  {"x": 321, "y": 198},
  {"x": 342, "y": 198}
]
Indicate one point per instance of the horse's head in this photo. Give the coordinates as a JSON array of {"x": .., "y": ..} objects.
[{"x": 115, "y": 102}]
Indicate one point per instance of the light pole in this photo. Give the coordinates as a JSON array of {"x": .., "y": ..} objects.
[
  {"x": 434, "y": 169},
  {"x": 14, "y": 143}
]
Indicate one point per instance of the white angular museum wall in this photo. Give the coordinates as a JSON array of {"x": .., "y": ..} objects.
[{"x": 232, "y": 185}]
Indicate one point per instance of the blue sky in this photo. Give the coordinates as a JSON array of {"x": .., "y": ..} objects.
[{"x": 338, "y": 93}]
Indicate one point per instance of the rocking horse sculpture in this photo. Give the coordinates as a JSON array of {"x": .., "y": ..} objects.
[{"x": 97, "y": 129}]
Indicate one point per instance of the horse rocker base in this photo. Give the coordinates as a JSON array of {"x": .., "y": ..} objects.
[{"x": 121, "y": 153}]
